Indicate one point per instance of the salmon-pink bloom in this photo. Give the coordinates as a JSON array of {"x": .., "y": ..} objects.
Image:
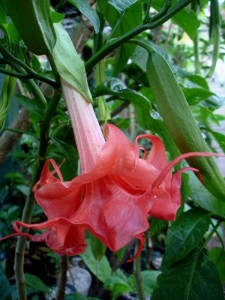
[{"x": 116, "y": 192}]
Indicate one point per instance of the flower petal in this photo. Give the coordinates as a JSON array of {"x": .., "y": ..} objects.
[
  {"x": 61, "y": 235},
  {"x": 58, "y": 199}
]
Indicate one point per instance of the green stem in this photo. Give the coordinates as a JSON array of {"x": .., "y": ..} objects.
[
  {"x": 214, "y": 230},
  {"x": 38, "y": 96},
  {"x": 147, "y": 10},
  {"x": 54, "y": 69},
  {"x": 104, "y": 115},
  {"x": 138, "y": 279},
  {"x": 163, "y": 11},
  {"x": 61, "y": 283},
  {"x": 100, "y": 70},
  {"x": 45, "y": 123},
  {"x": 21, "y": 243},
  {"x": 215, "y": 28},
  {"x": 196, "y": 55},
  {"x": 120, "y": 108},
  {"x": 18, "y": 131},
  {"x": 142, "y": 44},
  {"x": 195, "y": 8},
  {"x": 110, "y": 46},
  {"x": 13, "y": 61},
  {"x": 15, "y": 74},
  {"x": 29, "y": 204}
]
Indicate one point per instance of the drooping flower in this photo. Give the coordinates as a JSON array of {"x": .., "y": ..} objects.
[{"x": 116, "y": 192}]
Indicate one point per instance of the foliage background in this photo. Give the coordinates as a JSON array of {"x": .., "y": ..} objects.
[{"x": 190, "y": 251}]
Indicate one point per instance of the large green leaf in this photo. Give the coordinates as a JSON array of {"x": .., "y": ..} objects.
[
  {"x": 219, "y": 137},
  {"x": 118, "y": 284},
  {"x": 122, "y": 5},
  {"x": 156, "y": 226},
  {"x": 185, "y": 234},
  {"x": 195, "y": 95},
  {"x": 99, "y": 267},
  {"x": 140, "y": 57},
  {"x": 203, "y": 198},
  {"x": 85, "y": 8},
  {"x": 121, "y": 24},
  {"x": 97, "y": 247},
  {"x": 217, "y": 255},
  {"x": 207, "y": 284},
  {"x": 117, "y": 88},
  {"x": 32, "y": 20},
  {"x": 149, "y": 279},
  {"x": 36, "y": 283},
  {"x": 64, "y": 149},
  {"x": 130, "y": 19},
  {"x": 198, "y": 81},
  {"x": 193, "y": 278},
  {"x": 186, "y": 19}
]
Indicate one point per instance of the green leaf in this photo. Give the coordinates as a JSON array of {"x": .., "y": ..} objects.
[
  {"x": 140, "y": 57},
  {"x": 219, "y": 137},
  {"x": 207, "y": 285},
  {"x": 199, "y": 81},
  {"x": 69, "y": 167},
  {"x": 130, "y": 19},
  {"x": 97, "y": 247},
  {"x": 12, "y": 32},
  {"x": 121, "y": 5},
  {"x": 30, "y": 104},
  {"x": 2, "y": 13},
  {"x": 69, "y": 64},
  {"x": 186, "y": 233},
  {"x": 217, "y": 255},
  {"x": 156, "y": 226},
  {"x": 203, "y": 198},
  {"x": 99, "y": 267},
  {"x": 56, "y": 17},
  {"x": 23, "y": 189},
  {"x": 122, "y": 24},
  {"x": 33, "y": 21},
  {"x": 117, "y": 88},
  {"x": 5, "y": 289},
  {"x": 186, "y": 19},
  {"x": 196, "y": 95},
  {"x": 118, "y": 284},
  {"x": 193, "y": 278},
  {"x": 36, "y": 283},
  {"x": 85, "y": 8},
  {"x": 149, "y": 279}
]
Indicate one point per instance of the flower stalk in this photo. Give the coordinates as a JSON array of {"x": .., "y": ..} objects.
[
  {"x": 138, "y": 278},
  {"x": 30, "y": 201},
  {"x": 88, "y": 134}
]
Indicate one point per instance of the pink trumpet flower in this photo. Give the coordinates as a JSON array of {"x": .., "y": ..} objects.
[{"x": 116, "y": 192}]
